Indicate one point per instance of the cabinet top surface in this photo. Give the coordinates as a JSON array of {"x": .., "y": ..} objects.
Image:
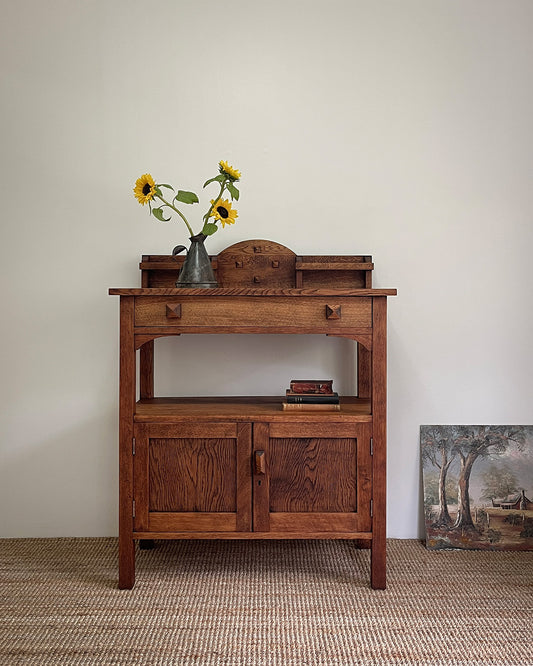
[{"x": 235, "y": 291}]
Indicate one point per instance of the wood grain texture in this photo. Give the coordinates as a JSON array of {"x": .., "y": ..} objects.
[
  {"x": 192, "y": 522},
  {"x": 364, "y": 372},
  {"x": 261, "y": 481},
  {"x": 146, "y": 370},
  {"x": 364, "y": 477},
  {"x": 313, "y": 475},
  {"x": 248, "y": 311},
  {"x": 244, "y": 477},
  {"x": 256, "y": 262},
  {"x": 147, "y": 333},
  {"x": 187, "y": 475},
  {"x": 314, "y": 428},
  {"x": 314, "y": 522},
  {"x": 379, "y": 411},
  {"x": 249, "y": 409},
  {"x": 126, "y": 411},
  {"x": 141, "y": 476},
  {"x": 193, "y": 470},
  {"x": 220, "y": 534},
  {"x": 306, "y": 265},
  {"x": 327, "y": 290}
]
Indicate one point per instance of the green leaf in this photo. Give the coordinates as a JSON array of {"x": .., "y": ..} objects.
[
  {"x": 220, "y": 178},
  {"x": 233, "y": 191},
  {"x": 186, "y": 197},
  {"x": 163, "y": 185},
  {"x": 158, "y": 213},
  {"x": 209, "y": 228}
]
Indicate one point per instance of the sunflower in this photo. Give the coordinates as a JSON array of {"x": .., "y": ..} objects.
[
  {"x": 229, "y": 171},
  {"x": 145, "y": 189},
  {"x": 223, "y": 211}
]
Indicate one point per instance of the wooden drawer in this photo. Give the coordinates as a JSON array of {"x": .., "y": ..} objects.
[{"x": 267, "y": 312}]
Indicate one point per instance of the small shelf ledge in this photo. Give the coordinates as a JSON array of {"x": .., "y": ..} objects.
[{"x": 244, "y": 409}]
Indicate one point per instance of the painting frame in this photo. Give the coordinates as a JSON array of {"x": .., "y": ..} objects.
[{"x": 477, "y": 486}]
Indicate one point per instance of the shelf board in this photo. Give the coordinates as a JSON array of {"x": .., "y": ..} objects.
[
  {"x": 244, "y": 408},
  {"x": 318, "y": 292}
]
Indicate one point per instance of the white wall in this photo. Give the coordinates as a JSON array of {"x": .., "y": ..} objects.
[{"x": 398, "y": 129}]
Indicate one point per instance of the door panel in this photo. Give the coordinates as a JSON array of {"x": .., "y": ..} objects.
[
  {"x": 187, "y": 474},
  {"x": 315, "y": 474},
  {"x": 193, "y": 477},
  {"x": 317, "y": 478}
]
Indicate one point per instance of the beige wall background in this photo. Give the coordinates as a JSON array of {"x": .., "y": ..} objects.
[{"x": 397, "y": 129}]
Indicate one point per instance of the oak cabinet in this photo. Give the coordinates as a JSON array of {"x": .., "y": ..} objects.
[
  {"x": 242, "y": 467},
  {"x": 276, "y": 478}
]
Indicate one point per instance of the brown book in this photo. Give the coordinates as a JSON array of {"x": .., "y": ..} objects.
[
  {"x": 310, "y": 407},
  {"x": 311, "y": 386}
]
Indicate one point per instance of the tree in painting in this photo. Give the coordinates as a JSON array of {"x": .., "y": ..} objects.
[
  {"x": 437, "y": 448},
  {"x": 470, "y": 444}
]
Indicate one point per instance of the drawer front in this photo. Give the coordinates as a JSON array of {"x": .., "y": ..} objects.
[{"x": 267, "y": 312}]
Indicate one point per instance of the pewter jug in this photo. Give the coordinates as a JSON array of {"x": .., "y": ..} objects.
[{"x": 196, "y": 271}]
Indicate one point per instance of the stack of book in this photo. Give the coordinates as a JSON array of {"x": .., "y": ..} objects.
[{"x": 310, "y": 395}]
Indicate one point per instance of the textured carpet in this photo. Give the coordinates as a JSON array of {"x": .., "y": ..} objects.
[{"x": 262, "y": 602}]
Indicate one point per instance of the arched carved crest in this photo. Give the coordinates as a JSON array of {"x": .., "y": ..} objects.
[{"x": 259, "y": 263}]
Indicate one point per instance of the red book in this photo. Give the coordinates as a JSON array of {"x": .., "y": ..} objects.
[{"x": 311, "y": 386}]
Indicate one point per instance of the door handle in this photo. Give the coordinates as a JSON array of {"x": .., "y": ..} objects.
[{"x": 259, "y": 462}]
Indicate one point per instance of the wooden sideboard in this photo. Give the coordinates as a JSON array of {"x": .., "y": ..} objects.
[{"x": 242, "y": 467}]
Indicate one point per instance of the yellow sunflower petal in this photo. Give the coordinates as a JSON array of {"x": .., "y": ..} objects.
[
  {"x": 223, "y": 212},
  {"x": 229, "y": 171},
  {"x": 144, "y": 189}
]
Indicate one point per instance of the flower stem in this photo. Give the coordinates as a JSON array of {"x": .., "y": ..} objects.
[
  {"x": 222, "y": 188},
  {"x": 178, "y": 212}
]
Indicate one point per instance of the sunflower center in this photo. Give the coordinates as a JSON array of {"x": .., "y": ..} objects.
[
  {"x": 223, "y": 212},
  {"x": 147, "y": 188}
]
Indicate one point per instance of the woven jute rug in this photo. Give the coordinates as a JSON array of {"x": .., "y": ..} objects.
[{"x": 249, "y": 602}]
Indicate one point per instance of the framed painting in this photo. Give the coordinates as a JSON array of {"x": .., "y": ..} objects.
[{"x": 478, "y": 486}]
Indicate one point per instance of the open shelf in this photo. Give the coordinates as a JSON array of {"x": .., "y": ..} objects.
[{"x": 244, "y": 409}]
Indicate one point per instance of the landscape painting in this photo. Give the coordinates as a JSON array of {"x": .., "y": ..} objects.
[{"x": 478, "y": 486}]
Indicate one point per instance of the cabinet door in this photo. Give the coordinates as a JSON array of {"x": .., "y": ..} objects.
[
  {"x": 312, "y": 478},
  {"x": 192, "y": 477}
]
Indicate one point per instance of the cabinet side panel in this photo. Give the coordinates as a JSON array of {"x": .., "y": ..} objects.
[
  {"x": 187, "y": 475},
  {"x": 313, "y": 475}
]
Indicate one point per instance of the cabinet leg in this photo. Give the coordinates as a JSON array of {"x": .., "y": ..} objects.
[
  {"x": 378, "y": 565},
  {"x": 146, "y": 544},
  {"x": 126, "y": 563}
]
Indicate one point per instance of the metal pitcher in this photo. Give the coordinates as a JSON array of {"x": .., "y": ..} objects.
[{"x": 196, "y": 272}]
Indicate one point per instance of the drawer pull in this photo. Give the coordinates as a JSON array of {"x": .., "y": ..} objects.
[
  {"x": 174, "y": 311},
  {"x": 259, "y": 462},
  {"x": 333, "y": 311},
  {"x": 257, "y": 279}
]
